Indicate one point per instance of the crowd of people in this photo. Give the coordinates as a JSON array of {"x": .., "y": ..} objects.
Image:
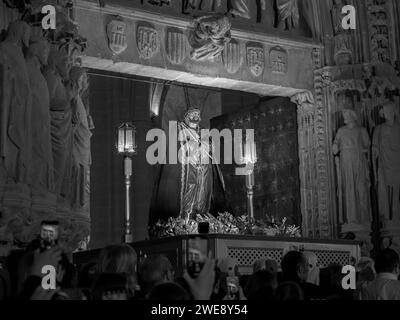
[{"x": 118, "y": 275}]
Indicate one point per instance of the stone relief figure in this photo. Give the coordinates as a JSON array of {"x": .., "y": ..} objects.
[
  {"x": 342, "y": 39},
  {"x": 288, "y": 14},
  {"x": 200, "y": 5},
  {"x": 15, "y": 112},
  {"x": 209, "y": 37},
  {"x": 81, "y": 157},
  {"x": 386, "y": 160},
  {"x": 42, "y": 158},
  {"x": 351, "y": 146},
  {"x": 57, "y": 75}
]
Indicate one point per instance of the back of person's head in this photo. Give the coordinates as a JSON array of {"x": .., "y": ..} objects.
[
  {"x": 289, "y": 291},
  {"x": 387, "y": 261},
  {"x": 335, "y": 275},
  {"x": 265, "y": 264},
  {"x": 153, "y": 270},
  {"x": 261, "y": 285},
  {"x": 87, "y": 275},
  {"x": 119, "y": 259},
  {"x": 294, "y": 267},
  {"x": 110, "y": 283},
  {"x": 168, "y": 291}
]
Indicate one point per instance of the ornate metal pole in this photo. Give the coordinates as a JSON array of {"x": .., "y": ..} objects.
[
  {"x": 126, "y": 146},
  {"x": 250, "y": 192},
  {"x": 128, "y": 174}
]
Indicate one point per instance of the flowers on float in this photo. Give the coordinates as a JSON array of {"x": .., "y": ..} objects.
[{"x": 225, "y": 224}]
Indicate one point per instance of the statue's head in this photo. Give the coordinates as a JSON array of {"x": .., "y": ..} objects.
[
  {"x": 19, "y": 31},
  {"x": 60, "y": 60},
  {"x": 78, "y": 77},
  {"x": 349, "y": 116},
  {"x": 193, "y": 118},
  {"x": 388, "y": 111},
  {"x": 39, "y": 48}
]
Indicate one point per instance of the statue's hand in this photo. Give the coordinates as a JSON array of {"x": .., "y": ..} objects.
[{"x": 335, "y": 149}]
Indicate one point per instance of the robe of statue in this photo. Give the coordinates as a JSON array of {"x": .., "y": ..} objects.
[
  {"x": 190, "y": 187},
  {"x": 81, "y": 156},
  {"x": 61, "y": 131},
  {"x": 386, "y": 148},
  {"x": 240, "y": 8},
  {"x": 15, "y": 113},
  {"x": 354, "y": 174},
  {"x": 42, "y": 159},
  {"x": 288, "y": 14}
]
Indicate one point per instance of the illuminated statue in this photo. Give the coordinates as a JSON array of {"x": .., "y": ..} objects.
[
  {"x": 81, "y": 157},
  {"x": 57, "y": 75},
  {"x": 42, "y": 158},
  {"x": 193, "y": 186},
  {"x": 15, "y": 108},
  {"x": 386, "y": 159},
  {"x": 351, "y": 146}
]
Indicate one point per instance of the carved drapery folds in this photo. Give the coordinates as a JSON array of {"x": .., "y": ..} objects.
[
  {"x": 39, "y": 185},
  {"x": 307, "y": 156},
  {"x": 209, "y": 37}
]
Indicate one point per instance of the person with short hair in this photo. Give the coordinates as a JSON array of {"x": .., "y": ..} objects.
[
  {"x": 295, "y": 268},
  {"x": 386, "y": 286}
]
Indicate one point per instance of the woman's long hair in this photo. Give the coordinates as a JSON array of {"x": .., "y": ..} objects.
[{"x": 119, "y": 259}]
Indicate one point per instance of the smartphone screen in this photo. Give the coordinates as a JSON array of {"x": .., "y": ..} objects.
[
  {"x": 233, "y": 288},
  {"x": 49, "y": 234},
  {"x": 196, "y": 255}
]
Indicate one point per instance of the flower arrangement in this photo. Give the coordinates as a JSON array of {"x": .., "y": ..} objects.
[{"x": 225, "y": 223}]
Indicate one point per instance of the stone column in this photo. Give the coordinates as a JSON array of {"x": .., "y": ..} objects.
[{"x": 307, "y": 157}]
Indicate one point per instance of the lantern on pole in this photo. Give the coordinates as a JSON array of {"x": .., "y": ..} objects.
[
  {"x": 126, "y": 146},
  {"x": 250, "y": 159}
]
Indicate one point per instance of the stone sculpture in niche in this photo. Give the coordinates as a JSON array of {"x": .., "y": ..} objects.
[
  {"x": 209, "y": 37},
  {"x": 351, "y": 146},
  {"x": 81, "y": 157},
  {"x": 15, "y": 112},
  {"x": 343, "y": 53},
  {"x": 288, "y": 14},
  {"x": 57, "y": 74},
  {"x": 386, "y": 160},
  {"x": 42, "y": 160}
]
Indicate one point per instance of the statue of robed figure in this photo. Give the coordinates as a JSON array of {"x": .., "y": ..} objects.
[{"x": 195, "y": 184}]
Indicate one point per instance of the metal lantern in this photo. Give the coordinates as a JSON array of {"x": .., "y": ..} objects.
[
  {"x": 126, "y": 146},
  {"x": 250, "y": 159},
  {"x": 126, "y": 143}
]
